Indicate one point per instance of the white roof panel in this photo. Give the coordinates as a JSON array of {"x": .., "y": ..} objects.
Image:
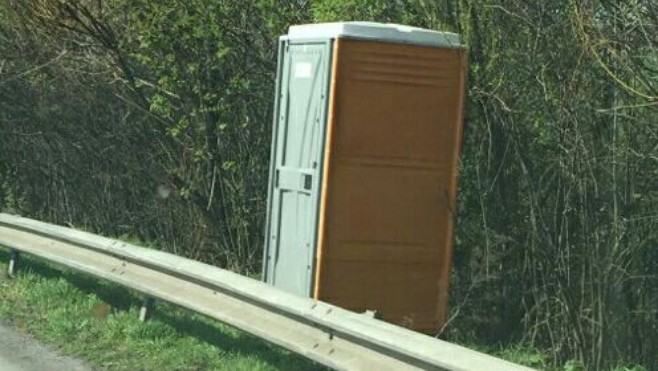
[{"x": 375, "y": 31}]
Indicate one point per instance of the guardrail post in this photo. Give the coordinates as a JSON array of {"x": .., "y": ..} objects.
[
  {"x": 147, "y": 308},
  {"x": 13, "y": 263}
]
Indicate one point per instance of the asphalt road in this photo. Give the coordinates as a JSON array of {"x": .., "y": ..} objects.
[{"x": 20, "y": 352}]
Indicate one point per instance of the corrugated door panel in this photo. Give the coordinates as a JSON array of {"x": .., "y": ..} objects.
[
  {"x": 295, "y": 177},
  {"x": 389, "y": 196}
]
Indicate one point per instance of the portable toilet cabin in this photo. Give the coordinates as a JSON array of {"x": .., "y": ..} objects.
[{"x": 366, "y": 141}]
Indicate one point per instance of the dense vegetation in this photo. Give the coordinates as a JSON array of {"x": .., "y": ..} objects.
[{"x": 152, "y": 119}]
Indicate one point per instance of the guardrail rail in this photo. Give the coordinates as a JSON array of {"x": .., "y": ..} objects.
[{"x": 325, "y": 333}]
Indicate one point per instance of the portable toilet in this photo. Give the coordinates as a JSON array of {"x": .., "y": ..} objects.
[{"x": 366, "y": 142}]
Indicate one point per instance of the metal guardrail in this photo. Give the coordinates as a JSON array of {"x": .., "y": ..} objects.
[{"x": 322, "y": 332}]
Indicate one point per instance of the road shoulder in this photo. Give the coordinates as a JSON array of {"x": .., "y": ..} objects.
[{"x": 21, "y": 352}]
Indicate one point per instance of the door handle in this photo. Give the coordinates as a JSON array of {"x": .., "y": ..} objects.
[{"x": 308, "y": 182}]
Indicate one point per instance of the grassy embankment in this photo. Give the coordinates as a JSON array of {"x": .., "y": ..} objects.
[{"x": 98, "y": 321}]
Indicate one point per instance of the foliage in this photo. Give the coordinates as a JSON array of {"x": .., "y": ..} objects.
[
  {"x": 205, "y": 68},
  {"x": 357, "y": 10},
  {"x": 152, "y": 119}
]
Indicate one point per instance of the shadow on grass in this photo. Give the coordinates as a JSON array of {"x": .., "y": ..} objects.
[
  {"x": 188, "y": 324},
  {"x": 115, "y": 295},
  {"x": 240, "y": 344}
]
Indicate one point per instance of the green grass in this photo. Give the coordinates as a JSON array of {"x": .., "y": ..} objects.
[
  {"x": 526, "y": 356},
  {"x": 519, "y": 354},
  {"x": 537, "y": 359},
  {"x": 98, "y": 321}
]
